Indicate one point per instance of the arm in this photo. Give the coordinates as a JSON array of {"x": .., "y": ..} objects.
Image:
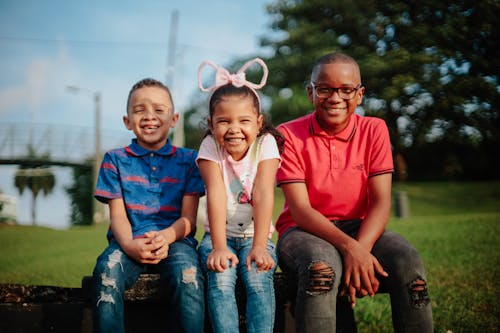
[
  {"x": 263, "y": 203},
  {"x": 379, "y": 206},
  {"x": 216, "y": 208},
  {"x": 140, "y": 249},
  {"x": 181, "y": 228}
]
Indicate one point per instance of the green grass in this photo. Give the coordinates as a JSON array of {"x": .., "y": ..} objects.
[
  {"x": 453, "y": 225},
  {"x": 455, "y": 228}
]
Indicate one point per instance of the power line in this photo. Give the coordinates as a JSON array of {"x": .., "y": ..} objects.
[{"x": 107, "y": 43}]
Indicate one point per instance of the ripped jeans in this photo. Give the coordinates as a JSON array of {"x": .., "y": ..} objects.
[
  {"x": 314, "y": 267},
  {"x": 259, "y": 286},
  {"x": 115, "y": 272}
]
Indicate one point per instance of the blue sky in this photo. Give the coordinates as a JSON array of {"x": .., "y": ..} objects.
[{"x": 105, "y": 47}]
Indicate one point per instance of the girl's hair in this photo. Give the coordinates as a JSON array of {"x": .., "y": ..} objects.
[
  {"x": 246, "y": 92},
  {"x": 148, "y": 82}
]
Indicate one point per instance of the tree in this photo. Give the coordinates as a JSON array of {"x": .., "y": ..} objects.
[
  {"x": 80, "y": 193},
  {"x": 36, "y": 177},
  {"x": 430, "y": 69}
]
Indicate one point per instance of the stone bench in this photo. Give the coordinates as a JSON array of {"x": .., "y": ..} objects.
[
  {"x": 25, "y": 308},
  {"x": 57, "y": 309}
]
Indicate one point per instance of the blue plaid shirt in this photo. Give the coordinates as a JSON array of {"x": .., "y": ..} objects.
[{"x": 152, "y": 184}]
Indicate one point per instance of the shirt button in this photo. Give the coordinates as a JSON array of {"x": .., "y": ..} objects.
[
  {"x": 153, "y": 168},
  {"x": 152, "y": 154}
]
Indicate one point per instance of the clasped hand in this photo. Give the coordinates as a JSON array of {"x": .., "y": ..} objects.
[
  {"x": 149, "y": 249},
  {"x": 361, "y": 269}
]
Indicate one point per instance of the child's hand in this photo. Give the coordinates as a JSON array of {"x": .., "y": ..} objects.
[
  {"x": 159, "y": 243},
  {"x": 262, "y": 259},
  {"x": 150, "y": 249},
  {"x": 353, "y": 293},
  {"x": 217, "y": 260}
]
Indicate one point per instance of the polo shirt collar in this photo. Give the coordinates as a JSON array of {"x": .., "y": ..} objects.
[
  {"x": 345, "y": 135},
  {"x": 137, "y": 150}
]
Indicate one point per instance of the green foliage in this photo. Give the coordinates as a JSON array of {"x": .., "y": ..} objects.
[
  {"x": 36, "y": 177},
  {"x": 80, "y": 193},
  {"x": 430, "y": 70}
]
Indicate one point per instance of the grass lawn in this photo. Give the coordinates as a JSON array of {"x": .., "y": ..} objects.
[{"x": 453, "y": 225}]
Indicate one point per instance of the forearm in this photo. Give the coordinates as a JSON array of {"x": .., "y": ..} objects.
[
  {"x": 372, "y": 227},
  {"x": 216, "y": 211},
  {"x": 263, "y": 200},
  {"x": 263, "y": 204},
  {"x": 181, "y": 228},
  {"x": 120, "y": 225},
  {"x": 379, "y": 208}
]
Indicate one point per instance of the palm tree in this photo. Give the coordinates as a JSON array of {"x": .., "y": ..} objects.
[{"x": 36, "y": 177}]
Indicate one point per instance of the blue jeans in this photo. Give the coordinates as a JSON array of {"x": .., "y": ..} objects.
[
  {"x": 180, "y": 271},
  {"x": 259, "y": 286},
  {"x": 316, "y": 303}
]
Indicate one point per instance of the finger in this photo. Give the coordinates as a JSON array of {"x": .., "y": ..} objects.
[
  {"x": 352, "y": 296},
  {"x": 367, "y": 284},
  {"x": 375, "y": 284},
  {"x": 221, "y": 264},
  {"x": 248, "y": 262},
  {"x": 347, "y": 279},
  {"x": 355, "y": 281},
  {"x": 234, "y": 261},
  {"x": 362, "y": 293},
  {"x": 379, "y": 269}
]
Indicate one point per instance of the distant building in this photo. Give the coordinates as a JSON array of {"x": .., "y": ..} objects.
[{"x": 8, "y": 208}]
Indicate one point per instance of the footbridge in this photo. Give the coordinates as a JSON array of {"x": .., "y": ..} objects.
[{"x": 55, "y": 145}]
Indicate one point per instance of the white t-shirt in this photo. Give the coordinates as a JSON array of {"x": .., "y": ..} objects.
[{"x": 239, "y": 178}]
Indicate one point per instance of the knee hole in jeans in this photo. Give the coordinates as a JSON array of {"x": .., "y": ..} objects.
[
  {"x": 321, "y": 278},
  {"x": 419, "y": 297}
]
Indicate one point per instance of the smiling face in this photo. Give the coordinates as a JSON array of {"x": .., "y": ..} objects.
[
  {"x": 235, "y": 124},
  {"x": 150, "y": 115},
  {"x": 333, "y": 113}
]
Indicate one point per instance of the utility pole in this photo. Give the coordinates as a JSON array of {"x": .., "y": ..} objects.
[
  {"x": 97, "y": 207},
  {"x": 178, "y": 136}
]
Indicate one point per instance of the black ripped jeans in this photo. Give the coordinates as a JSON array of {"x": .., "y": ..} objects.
[{"x": 316, "y": 306}]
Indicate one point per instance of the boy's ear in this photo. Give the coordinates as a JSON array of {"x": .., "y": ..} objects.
[
  {"x": 175, "y": 119},
  {"x": 126, "y": 121},
  {"x": 359, "y": 95},
  {"x": 310, "y": 93}
]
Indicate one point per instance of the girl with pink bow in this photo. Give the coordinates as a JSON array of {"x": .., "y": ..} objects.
[{"x": 238, "y": 160}]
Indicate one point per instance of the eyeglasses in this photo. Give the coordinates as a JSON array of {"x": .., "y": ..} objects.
[{"x": 343, "y": 92}]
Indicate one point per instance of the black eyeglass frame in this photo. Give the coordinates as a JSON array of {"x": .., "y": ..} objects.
[{"x": 343, "y": 95}]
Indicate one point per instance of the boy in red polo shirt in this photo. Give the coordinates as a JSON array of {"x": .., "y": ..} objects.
[{"x": 336, "y": 175}]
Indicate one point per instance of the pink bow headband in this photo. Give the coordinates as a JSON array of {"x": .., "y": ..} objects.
[{"x": 238, "y": 79}]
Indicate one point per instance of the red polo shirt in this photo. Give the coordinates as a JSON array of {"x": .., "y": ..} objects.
[{"x": 335, "y": 168}]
